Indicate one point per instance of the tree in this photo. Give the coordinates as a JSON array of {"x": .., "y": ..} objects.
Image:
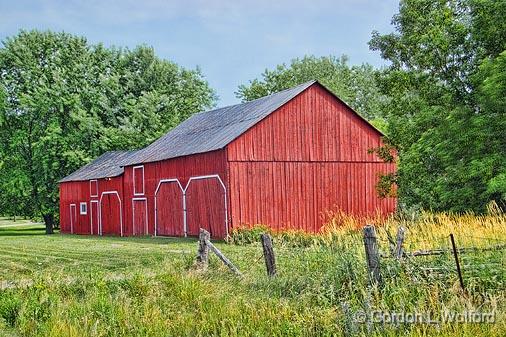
[
  {"x": 445, "y": 121},
  {"x": 355, "y": 85},
  {"x": 66, "y": 101}
]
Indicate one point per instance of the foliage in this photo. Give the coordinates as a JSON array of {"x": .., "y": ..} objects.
[
  {"x": 356, "y": 85},
  {"x": 445, "y": 110},
  {"x": 148, "y": 287},
  {"x": 64, "y": 101}
]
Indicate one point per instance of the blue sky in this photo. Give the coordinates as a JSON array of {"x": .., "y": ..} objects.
[{"x": 232, "y": 41}]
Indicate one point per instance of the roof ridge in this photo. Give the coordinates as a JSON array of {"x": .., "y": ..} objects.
[
  {"x": 308, "y": 83},
  {"x": 214, "y": 129},
  {"x": 103, "y": 166}
]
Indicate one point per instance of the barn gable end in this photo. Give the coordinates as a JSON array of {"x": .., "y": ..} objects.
[
  {"x": 313, "y": 126},
  {"x": 305, "y": 159}
]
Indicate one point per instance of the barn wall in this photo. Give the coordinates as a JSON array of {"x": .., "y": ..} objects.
[
  {"x": 314, "y": 126},
  {"x": 297, "y": 195},
  {"x": 73, "y": 193},
  {"x": 182, "y": 169},
  {"x": 110, "y": 216},
  {"x": 307, "y": 158},
  {"x": 76, "y": 192}
]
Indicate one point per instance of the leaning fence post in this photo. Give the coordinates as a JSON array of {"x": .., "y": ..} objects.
[
  {"x": 399, "y": 251},
  {"x": 457, "y": 263},
  {"x": 223, "y": 258},
  {"x": 270, "y": 261},
  {"x": 203, "y": 251},
  {"x": 372, "y": 254}
]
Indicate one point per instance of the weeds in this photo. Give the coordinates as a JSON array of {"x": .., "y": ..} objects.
[{"x": 160, "y": 294}]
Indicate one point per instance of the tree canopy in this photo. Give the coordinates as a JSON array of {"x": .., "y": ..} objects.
[
  {"x": 64, "y": 101},
  {"x": 445, "y": 110},
  {"x": 356, "y": 85},
  {"x": 441, "y": 100}
]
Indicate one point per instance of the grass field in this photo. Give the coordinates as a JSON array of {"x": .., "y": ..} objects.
[{"x": 64, "y": 285}]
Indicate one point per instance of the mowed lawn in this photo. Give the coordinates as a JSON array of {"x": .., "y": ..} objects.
[{"x": 26, "y": 252}]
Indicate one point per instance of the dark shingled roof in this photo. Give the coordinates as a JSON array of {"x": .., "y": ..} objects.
[
  {"x": 214, "y": 129},
  {"x": 105, "y": 166}
]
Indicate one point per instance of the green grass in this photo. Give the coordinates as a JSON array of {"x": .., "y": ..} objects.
[{"x": 110, "y": 286}]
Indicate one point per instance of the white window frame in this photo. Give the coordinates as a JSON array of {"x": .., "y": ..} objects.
[
  {"x": 81, "y": 211},
  {"x": 91, "y": 216},
  {"x": 72, "y": 224},
  {"x": 211, "y": 176},
  {"x": 172, "y": 180},
  {"x": 134, "y": 180},
  {"x": 133, "y": 214},
  {"x": 91, "y": 193}
]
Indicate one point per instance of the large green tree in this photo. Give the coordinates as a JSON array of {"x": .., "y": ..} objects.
[
  {"x": 445, "y": 110},
  {"x": 356, "y": 85},
  {"x": 64, "y": 101}
]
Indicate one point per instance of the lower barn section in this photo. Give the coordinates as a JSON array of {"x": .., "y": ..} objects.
[
  {"x": 183, "y": 210},
  {"x": 111, "y": 214},
  {"x": 140, "y": 216},
  {"x": 206, "y": 206},
  {"x": 92, "y": 207},
  {"x": 282, "y": 195},
  {"x": 299, "y": 195},
  {"x": 169, "y": 208}
]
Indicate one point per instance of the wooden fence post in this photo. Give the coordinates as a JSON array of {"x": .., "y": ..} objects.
[
  {"x": 223, "y": 258},
  {"x": 372, "y": 254},
  {"x": 203, "y": 251},
  {"x": 457, "y": 263},
  {"x": 270, "y": 261},
  {"x": 399, "y": 251}
]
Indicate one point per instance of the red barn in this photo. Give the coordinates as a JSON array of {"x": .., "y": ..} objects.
[
  {"x": 91, "y": 198},
  {"x": 281, "y": 160}
]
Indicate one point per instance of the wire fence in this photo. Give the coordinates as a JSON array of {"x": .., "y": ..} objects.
[{"x": 472, "y": 260}]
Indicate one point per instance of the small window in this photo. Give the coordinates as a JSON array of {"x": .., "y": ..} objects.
[
  {"x": 93, "y": 188},
  {"x": 138, "y": 178},
  {"x": 83, "y": 208}
]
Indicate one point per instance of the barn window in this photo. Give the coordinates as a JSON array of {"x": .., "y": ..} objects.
[
  {"x": 138, "y": 176},
  {"x": 83, "y": 208},
  {"x": 93, "y": 188}
]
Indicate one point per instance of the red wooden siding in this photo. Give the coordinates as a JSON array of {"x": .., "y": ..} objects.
[
  {"x": 75, "y": 192},
  {"x": 140, "y": 217},
  {"x": 313, "y": 127},
  {"x": 170, "y": 197},
  {"x": 206, "y": 208},
  {"x": 170, "y": 214},
  {"x": 297, "y": 195},
  {"x": 305, "y": 159},
  {"x": 111, "y": 219}
]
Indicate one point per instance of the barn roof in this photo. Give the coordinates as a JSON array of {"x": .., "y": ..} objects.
[
  {"x": 105, "y": 166},
  {"x": 213, "y": 130}
]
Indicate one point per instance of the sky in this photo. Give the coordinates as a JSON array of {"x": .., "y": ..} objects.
[{"x": 231, "y": 41}]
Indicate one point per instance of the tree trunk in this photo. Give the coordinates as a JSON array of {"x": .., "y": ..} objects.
[{"x": 49, "y": 222}]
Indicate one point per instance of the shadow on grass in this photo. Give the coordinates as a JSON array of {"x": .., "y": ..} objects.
[
  {"x": 39, "y": 231},
  {"x": 22, "y": 231},
  {"x": 131, "y": 239}
]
